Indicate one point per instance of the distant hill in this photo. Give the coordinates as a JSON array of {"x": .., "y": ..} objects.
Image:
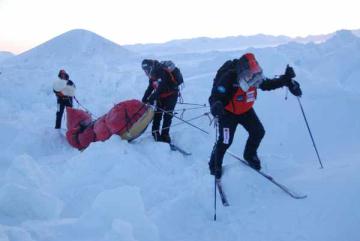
[
  {"x": 5, "y": 55},
  {"x": 86, "y": 56},
  {"x": 74, "y": 46},
  {"x": 205, "y": 44}
]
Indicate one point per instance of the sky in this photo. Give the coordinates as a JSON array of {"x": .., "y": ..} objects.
[{"x": 25, "y": 24}]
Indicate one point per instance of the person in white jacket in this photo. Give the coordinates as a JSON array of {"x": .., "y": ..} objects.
[{"x": 64, "y": 90}]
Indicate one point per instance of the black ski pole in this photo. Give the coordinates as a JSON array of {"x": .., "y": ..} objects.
[
  {"x": 307, "y": 125},
  {"x": 181, "y": 120},
  {"x": 214, "y": 198},
  {"x": 184, "y": 103},
  {"x": 216, "y": 137}
]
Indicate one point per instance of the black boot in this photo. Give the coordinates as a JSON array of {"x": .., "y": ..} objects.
[
  {"x": 156, "y": 135},
  {"x": 165, "y": 137},
  {"x": 253, "y": 161},
  {"x": 215, "y": 171}
]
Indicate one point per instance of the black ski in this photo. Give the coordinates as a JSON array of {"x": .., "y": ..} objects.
[
  {"x": 221, "y": 192},
  {"x": 271, "y": 179},
  {"x": 174, "y": 147}
]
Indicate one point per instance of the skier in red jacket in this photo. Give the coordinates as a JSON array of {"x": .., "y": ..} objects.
[{"x": 232, "y": 98}]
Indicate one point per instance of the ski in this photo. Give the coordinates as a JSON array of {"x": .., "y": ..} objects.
[
  {"x": 221, "y": 192},
  {"x": 271, "y": 179},
  {"x": 174, "y": 147}
]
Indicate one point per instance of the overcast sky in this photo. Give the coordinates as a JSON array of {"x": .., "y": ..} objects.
[{"x": 25, "y": 24}]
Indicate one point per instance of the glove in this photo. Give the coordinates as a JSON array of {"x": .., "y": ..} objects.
[
  {"x": 289, "y": 73},
  {"x": 217, "y": 109},
  {"x": 294, "y": 88}
]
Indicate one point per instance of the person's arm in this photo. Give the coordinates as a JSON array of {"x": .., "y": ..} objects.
[
  {"x": 275, "y": 83},
  {"x": 58, "y": 87},
  {"x": 148, "y": 91},
  {"x": 283, "y": 80},
  {"x": 222, "y": 90},
  {"x": 178, "y": 76},
  {"x": 70, "y": 83},
  {"x": 58, "y": 93},
  {"x": 162, "y": 86},
  {"x": 69, "y": 89},
  {"x": 221, "y": 93}
]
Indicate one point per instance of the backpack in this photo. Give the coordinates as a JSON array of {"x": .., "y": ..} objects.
[
  {"x": 174, "y": 72},
  {"x": 228, "y": 65}
]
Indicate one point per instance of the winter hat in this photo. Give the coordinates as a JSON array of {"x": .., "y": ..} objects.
[
  {"x": 248, "y": 71},
  {"x": 148, "y": 66},
  {"x": 247, "y": 62},
  {"x": 63, "y": 75}
]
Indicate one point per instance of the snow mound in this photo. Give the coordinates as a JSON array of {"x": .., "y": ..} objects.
[
  {"x": 73, "y": 46},
  {"x": 5, "y": 55}
]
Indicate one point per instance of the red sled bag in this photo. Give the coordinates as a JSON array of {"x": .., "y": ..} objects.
[
  {"x": 86, "y": 137},
  {"x": 123, "y": 115},
  {"x": 75, "y": 117},
  {"x": 129, "y": 119},
  {"x": 101, "y": 130}
]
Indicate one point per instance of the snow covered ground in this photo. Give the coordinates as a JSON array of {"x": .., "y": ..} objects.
[
  {"x": 143, "y": 191},
  {"x": 4, "y": 55}
]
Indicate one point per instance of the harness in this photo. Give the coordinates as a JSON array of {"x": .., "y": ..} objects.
[{"x": 242, "y": 101}]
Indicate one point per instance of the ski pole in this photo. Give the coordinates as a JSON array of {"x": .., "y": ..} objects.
[
  {"x": 183, "y": 109},
  {"x": 214, "y": 198},
  {"x": 182, "y": 120},
  {"x": 216, "y": 138},
  {"x": 185, "y": 103},
  {"x": 308, "y": 127},
  {"x": 181, "y": 123}
]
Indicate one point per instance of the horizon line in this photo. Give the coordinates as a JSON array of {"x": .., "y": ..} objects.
[{"x": 298, "y": 37}]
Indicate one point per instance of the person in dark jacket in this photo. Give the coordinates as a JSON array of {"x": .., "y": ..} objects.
[
  {"x": 163, "y": 91},
  {"x": 232, "y": 97},
  {"x": 64, "y": 90}
]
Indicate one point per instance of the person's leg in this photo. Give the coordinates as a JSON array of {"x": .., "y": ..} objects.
[
  {"x": 256, "y": 131},
  {"x": 70, "y": 102},
  {"x": 169, "y": 106},
  {"x": 155, "y": 130},
  {"x": 59, "y": 113},
  {"x": 226, "y": 131}
]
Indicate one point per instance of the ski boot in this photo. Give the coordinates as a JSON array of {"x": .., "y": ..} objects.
[
  {"x": 253, "y": 161},
  {"x": 156, "y": 135},
  {"x": 165, "y": 137}
]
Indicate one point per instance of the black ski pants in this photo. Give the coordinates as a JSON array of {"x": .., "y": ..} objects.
[
  {"x": 226, "y": 131},
  {"x": 165, "y": 109},
  {"x": 61, "y": 103}
]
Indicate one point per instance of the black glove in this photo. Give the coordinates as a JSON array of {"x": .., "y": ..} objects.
[
  {"x": 289, "y": 73},
  {"x": 294, "y": 88},
  {"x": 217, "y": 109}
]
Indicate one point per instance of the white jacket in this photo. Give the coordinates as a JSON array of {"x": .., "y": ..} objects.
[{"x": 62, "y": 86}]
